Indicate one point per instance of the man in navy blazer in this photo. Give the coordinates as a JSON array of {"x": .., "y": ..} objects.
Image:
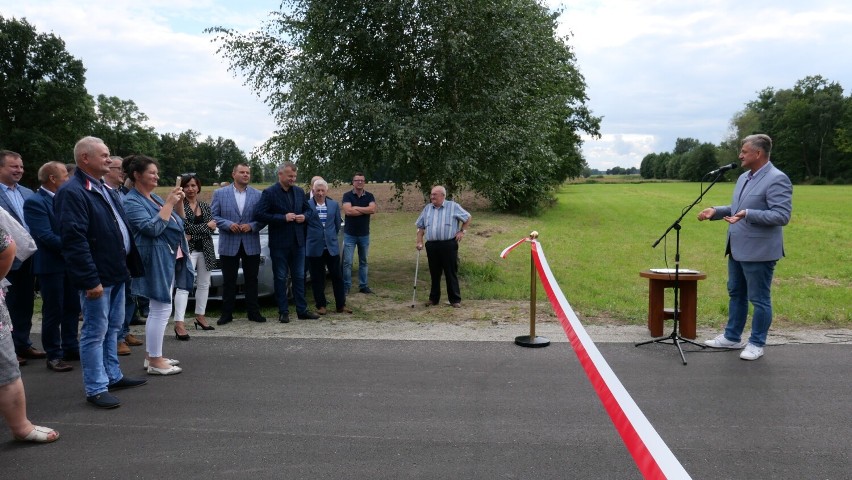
[
  {"x": 19, "y": 296},
  {"x": 100, "y": 257},
  {"x": 60, "y": 304},
  {"x": 233, "y": 209},
  {"x": 761, "y": 206},
  {"x": 284, "y": 207}
]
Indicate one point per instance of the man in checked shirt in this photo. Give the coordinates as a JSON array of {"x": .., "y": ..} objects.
[{"x": 443, "y": 223}]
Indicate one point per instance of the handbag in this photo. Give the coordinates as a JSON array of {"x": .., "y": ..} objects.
[{"x": 25, "y": 244}]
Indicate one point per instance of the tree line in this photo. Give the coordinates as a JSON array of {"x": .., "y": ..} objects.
[
  {"x": 471, "y": 94},
  {"x": 810, "y": 125},
  {"x": 45, "y": 108}
]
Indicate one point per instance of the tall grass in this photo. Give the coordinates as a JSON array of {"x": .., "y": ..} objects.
[{"x": 598, "y": 237}]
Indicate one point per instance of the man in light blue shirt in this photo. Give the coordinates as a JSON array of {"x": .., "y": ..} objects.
[{"x": 443, "y": 223}]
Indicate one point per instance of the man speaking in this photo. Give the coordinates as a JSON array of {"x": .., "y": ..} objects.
[{"x": 761, "y": 206}]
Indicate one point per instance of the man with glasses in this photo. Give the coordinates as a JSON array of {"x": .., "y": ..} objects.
[
  {"x": 358, "y": 206},
  {"x": 115, "y": 180}
]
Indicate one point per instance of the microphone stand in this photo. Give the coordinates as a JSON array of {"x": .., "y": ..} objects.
[{"x": 675, "y": 337}]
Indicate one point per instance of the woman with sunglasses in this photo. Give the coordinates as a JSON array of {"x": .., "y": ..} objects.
[{"x": 199, "y": 229}]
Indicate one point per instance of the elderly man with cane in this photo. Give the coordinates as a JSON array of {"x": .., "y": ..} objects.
[{"x": 443, "y": 223}]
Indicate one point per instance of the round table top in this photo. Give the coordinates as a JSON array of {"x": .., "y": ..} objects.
[{"x": 670, "y": 276}]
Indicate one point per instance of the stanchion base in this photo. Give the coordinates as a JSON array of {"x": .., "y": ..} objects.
[{"x": 531, "y": 342}]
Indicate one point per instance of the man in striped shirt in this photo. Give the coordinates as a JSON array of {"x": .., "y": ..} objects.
[{"x": 443, "y": 223}]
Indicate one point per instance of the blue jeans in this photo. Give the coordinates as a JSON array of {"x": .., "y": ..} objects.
[
  {"x": 749, "y": 282},
  {"x": 349, "y": 244},
  {"x": 102, "y": 319},
  {"x": 289, "y": 260}
]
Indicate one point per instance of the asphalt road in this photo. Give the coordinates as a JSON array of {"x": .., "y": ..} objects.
[{"x": 321, "y": 408}]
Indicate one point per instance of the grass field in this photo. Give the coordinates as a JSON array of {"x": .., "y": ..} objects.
[{"x": 597, "y": 238}]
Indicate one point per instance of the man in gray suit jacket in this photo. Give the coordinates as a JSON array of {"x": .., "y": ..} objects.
[
  {"x": 20, "y": 295},
  {"x": 761, "y": 206},
  {"x": 239, "y": 240}
]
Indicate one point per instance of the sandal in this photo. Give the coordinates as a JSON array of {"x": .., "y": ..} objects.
[{"x": 39, "y": 435}]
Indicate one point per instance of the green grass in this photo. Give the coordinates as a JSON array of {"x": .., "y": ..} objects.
[{"x": 598, "y": 237}]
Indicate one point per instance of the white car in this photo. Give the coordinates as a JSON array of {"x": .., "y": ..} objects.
[{"x": 265, "y": 287}]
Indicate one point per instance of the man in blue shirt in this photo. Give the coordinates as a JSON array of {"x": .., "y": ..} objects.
[
  {"x": 443, "y": 223},
  {"x": 358, "y": 206},
  {"x": 19, "y": 297}
]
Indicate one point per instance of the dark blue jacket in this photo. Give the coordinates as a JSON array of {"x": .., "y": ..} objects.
[
  {"x": 38, "y": 212},
  {"x": 91, "y": 238},
  {"x": 272, "y": 210}
]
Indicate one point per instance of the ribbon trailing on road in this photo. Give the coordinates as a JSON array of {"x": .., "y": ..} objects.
[{"x": 649, "y": 451}]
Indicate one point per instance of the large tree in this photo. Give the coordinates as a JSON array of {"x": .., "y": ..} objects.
[
  {"x": 476, "y": 94},
  {"x": 122, "y": 126},
  {"x": 44, "y": 105}
]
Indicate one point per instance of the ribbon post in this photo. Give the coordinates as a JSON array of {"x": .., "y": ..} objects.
[{"x": 531, "y": 340}]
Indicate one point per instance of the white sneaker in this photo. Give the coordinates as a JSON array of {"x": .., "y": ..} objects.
[
  {"x": 722, "y": 342},
  {"x": 171, "y": 361},
  {"x": 751, "y": 352}
]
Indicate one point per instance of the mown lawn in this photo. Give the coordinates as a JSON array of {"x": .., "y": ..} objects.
[{"x": 597, "y": 239}]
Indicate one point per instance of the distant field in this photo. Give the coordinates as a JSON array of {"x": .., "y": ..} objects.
[{"x": 598, "y": 237}]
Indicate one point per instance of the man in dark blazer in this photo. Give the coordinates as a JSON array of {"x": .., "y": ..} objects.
[
  {"x": 761, "y": 206},
  {"x": 20, "y": 295},
  {"x": 60, "y": 304},
  {"x": 100, "y": 257},
  {"x": 233, "y": 208},
  {"x": 284, "y": 207}
]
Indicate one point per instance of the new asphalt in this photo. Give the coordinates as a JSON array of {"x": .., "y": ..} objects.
[{"x": 363, "y": 409}]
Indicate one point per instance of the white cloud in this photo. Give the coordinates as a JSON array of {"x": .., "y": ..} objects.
[{"x": 656, "y": 70}]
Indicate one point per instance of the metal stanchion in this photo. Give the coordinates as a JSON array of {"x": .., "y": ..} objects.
[{"x": 531, "y": 340}]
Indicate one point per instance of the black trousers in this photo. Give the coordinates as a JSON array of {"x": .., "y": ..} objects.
[
  {"x": 318, "y": 266},
  {"x": 19, "y": 300},
  {"x": 230, "y": 269},
  {"x": 443, "y": 258}
]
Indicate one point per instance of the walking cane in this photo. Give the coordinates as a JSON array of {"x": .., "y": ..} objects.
[{"x": 416, "y": 269}]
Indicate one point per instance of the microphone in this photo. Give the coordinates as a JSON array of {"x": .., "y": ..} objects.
[{"x": 723, "y": 169}]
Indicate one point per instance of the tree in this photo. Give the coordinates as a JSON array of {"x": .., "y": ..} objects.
[
  {"x": 121, "y": 125},
  {"x": 476, "y": 94},
  {"x": 44, "y": 105},
  {"x": 808, "y": 127},
  {"x": 697, "y": 162},
  {"x": 215, "y": 160}
]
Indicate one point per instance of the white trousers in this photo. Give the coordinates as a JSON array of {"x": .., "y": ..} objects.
[{"x": 202, "y": 288}]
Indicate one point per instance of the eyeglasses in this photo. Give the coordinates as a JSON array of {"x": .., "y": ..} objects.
[
  {"x": 115, "y": 168},
  {"x": 357, "y": 181}
]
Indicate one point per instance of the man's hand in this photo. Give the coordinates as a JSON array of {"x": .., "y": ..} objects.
[
  {"x": 299, "y": 218},
  {"x": 235, "y": 228},
  {"x": 245, "y": 228},
  {"x": 736, "y": 218},
  {"x": 95, "y": 293},
  {"x": 706, "y": 214}
]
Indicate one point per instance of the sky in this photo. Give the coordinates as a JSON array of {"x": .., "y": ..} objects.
[{"x": 655, "y": 70}]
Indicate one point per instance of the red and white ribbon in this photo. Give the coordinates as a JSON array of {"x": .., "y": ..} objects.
[{"x": 649, "y": 451}]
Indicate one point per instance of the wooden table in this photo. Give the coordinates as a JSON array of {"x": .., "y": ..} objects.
[{"x": 688, "y": 286}]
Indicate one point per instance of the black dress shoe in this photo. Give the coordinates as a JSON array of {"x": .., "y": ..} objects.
[
  {"x": 366, "y": 290},
  {"x": 127, "y": 383},
  {"x": 308, "y": 316},
  {"x": 284, "y": 317},
  {"x": 57, "y": 365},
  {"x": 137, "y": 321},
  {"x": 257, "y": 318},
  {"x": 224, "y": 320},
  {"x": 103, "y": 400}
]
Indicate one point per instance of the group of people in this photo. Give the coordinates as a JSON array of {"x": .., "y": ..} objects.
[{"x": 101, "y": 243}]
